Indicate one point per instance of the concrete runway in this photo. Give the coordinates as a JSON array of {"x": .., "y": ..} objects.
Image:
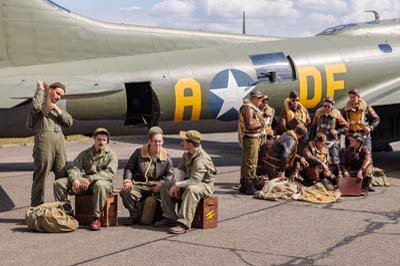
[{"x": 355, "y": 231}]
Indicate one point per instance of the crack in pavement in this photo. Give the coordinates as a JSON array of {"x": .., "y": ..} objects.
[
  {"x": 166, "y": 238},
  {"x": 371, "y": 227},
  {"x": 233, "y": 250}
]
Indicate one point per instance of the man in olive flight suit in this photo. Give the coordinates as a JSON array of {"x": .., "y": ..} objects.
[
  {"x": 93, "y": 171},
  {"x": 47, "y": 119},
  {"x": 196, "y": 172}
]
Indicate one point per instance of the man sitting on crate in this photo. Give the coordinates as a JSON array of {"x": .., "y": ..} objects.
[
  {"x": 197, "y": 171},
  {"x": 147, "y": 169},
  {"x": 92, "y": 172}
]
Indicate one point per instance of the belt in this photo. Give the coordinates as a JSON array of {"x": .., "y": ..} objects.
[{"x": 55, "y": 130}]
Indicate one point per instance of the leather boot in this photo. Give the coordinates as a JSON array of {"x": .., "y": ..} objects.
[
  {"x": 369, "y": 184},
  {"x": 249, "y": 187}
]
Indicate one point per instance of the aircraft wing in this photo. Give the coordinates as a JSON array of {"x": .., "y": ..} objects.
[
  {"x": 17, "y": 93},
  {"x": 42, "y": 32}
]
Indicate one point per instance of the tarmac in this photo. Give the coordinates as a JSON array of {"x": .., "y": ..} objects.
[{"x": 355, "y": 231}]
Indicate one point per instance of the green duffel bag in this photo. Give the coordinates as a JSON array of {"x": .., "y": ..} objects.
[
  {"x": 53, "y": 217},
  {"x": 379, "y": 178}
]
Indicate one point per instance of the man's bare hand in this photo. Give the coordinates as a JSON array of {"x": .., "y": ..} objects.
[
  {"x": 127, "y": 186},
  {"x": 360, "y": 176},
  {"x": 54, "y": 107},
  {"x": 346, "y": 174},
  {"x": 157, "y": 187},
  {"x": 85, "y": 184},
  {"x": 174, "y": 192},
  {"x": 76, "y": 186},
  {"x": 40, "y": 84},
  {"x": 367, "y": 130}
]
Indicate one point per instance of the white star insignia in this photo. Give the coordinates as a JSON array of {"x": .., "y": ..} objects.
[{"x": 232, "y": 95}]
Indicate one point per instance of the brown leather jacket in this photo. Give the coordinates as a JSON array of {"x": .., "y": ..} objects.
[
  {"x": 251, "y": 120},
  {"x": 283, "y": 151},
  {"x": 356, "y": 159},
  {"x": 139, "y": 161}
]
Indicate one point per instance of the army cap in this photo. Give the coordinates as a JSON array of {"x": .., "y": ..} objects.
[
  {"x": 155, "y": 130},
  {"x": 293, "y": 95},
  {"x": 256, "y": 94},
  {"x": 329, "y": 100},
  {"x": 355, "y": 92},
  {"x": 57, "y": 85},
  {"x": 265, "y": 98},
  {"x": 320, "y": 137},
  {"x": 191, "y": 135},
  {"x": 102, "y": 130}
]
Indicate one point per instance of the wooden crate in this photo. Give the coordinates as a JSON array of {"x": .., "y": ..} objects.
[
  {"x": 84, "y": 210},
  {"x": 350, "y": 186},
  {"x": 206, "y": 213}
]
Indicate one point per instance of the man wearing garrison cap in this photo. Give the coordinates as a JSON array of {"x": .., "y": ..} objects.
[
  {"x": 93, "y": 171},
  {"x": 47, "y": 119},
  {"x": 193, "y": 181}
]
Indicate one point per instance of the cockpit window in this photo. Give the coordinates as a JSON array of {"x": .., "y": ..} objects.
[
  {"x": 336, "y": 29},
  {"x": 275, "y": 62}
]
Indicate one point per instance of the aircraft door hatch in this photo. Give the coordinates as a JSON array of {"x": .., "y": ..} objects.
[{"x": 143, "y": 108}]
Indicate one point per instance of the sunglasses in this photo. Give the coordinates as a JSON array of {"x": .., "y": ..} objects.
[
  {"x": 294, "y": 100},
  {"x": 327, "y": 106}
]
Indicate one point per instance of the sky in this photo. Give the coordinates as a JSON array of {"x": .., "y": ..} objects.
[{"x": 291, "y": 18}]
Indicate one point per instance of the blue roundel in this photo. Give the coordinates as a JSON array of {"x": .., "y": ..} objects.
[{"x": 227, "y": 91}]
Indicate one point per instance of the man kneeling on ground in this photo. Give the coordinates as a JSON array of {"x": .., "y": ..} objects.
[
  {"x": 317, "y": 155},
  {"x": 92, "y": 172},
  {"x": 198, "y": 171}
]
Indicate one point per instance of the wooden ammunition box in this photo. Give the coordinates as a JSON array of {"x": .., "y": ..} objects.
[
  {"x": 350, "y": 186},
  {"x": 206, "y": 213},
  {"x": 84, "y": 210}
]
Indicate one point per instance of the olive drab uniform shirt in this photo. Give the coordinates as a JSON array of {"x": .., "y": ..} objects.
[
  {"x": 197, "y": 168},
  {"x": 47, "y": 120},
  {"x": 96, "y": 166}
]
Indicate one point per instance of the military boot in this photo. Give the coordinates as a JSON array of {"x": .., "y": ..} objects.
[
  {"x": 367, "y": 184},
  {"x": 327, "y": 184},
  {"x": 249, "y": 188}
]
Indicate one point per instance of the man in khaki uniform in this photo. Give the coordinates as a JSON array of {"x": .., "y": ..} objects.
[
  {"x": 49, "y": 152},
  {"x": 251, "y": 123},
  {"x": 197, "y": 171},
  {"x": 92, "y": 172}
]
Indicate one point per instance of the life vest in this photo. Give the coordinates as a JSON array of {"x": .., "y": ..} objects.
[
  {"x": 355, "y": 116},
  {"x": 320, "y": 154},
  {"x": 326, "y": 121},
  {"x": 242, "y": 130},
  {"x": 300, "y": 113}
]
